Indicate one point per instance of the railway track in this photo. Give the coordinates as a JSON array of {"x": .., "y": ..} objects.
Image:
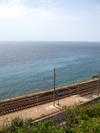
[{"x": 83, "y": 89}]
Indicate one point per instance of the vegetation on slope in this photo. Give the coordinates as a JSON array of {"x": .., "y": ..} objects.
[
  {"x": 95, "y": 76},
  {"x": 84, "y": 119}
]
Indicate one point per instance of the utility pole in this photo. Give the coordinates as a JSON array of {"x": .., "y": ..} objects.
[
  {"x": 98, "y": 84},
  {"x": 54, "y": 90},
  {"x": 78, "y": 86},
  {"x": 37, "y": 98}
]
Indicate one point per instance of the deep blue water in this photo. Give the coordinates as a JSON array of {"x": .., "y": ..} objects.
[{"x": 23, "y": 65}]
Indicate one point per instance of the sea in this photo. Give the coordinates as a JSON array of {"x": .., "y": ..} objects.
[{"x": 28, "y": 67}]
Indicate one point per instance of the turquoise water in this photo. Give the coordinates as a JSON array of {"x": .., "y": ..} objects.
[{"x": 24, "y": 65}]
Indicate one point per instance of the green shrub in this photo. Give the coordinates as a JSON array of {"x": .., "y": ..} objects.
[{"x": 95, "y": 76}]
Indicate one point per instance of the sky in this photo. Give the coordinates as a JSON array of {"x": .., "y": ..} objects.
[{"x": 50, "y": 20}]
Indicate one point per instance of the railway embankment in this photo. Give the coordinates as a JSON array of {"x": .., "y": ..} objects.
[
  {"x": 85, "y": 88},
  {"x": 39, "y": 106}
]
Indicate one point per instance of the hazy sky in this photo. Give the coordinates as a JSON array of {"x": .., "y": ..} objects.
[{"x": 50, "y": 20}]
